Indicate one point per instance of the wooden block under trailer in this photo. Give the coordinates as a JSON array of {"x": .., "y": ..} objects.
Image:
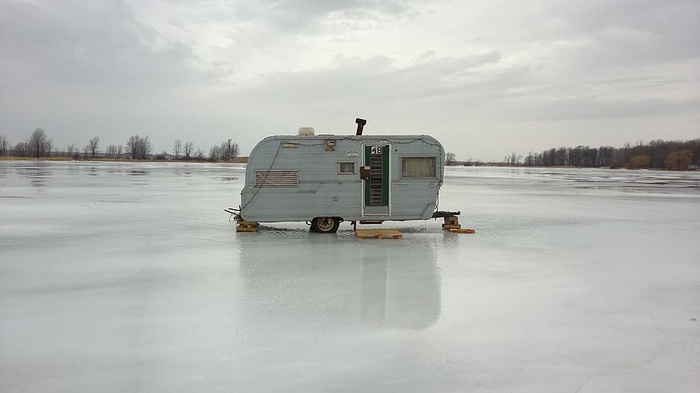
[
  {"x": 247, "y": 226},
  {"x": 378, "y": 234}
]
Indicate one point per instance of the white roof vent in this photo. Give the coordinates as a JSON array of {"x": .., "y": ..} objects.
[{"x": 306, "y": 131}]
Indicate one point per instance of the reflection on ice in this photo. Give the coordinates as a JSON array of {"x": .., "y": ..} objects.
[
  {"x": 338, "y": 281},
  {"x": 138, "y": 173},
  {"x": 38, "y": 172}
]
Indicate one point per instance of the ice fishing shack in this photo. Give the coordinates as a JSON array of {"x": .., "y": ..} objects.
[{"x": 327, "y": 179}]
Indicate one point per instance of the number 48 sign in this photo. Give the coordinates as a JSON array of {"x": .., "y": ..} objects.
[{"x": 376, "y": 150}]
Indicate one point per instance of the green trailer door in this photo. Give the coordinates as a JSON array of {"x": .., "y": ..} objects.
[{"x": 377, "y": 185}]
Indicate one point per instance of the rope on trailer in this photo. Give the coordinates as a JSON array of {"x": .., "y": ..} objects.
[{"x": 267, "y": 173}]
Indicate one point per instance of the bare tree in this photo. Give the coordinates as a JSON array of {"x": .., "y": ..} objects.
[
  {"x": 92, "y": 146},
  {"x": 39, "y": 144},
  {"x": 177, "y": 148},
  {"x": 72, "y": 151},
  {"x": 229, "y": 150},
  {"x": 513, "y": 159},
  {"x": 450, "y": 159},
  {"x": 679, "y": 160},
  {"x": 199, "y": 154},
  {"x": 215, "y": 153},
  {"x": 188, "y": 150},
  {"x": 21, "y": 149},
  {"x": 235, "y": 151},
  {"x": 4, "y": 145},
  {"x": 138, "y": 148},
  {"x": 113, "y": 151}
]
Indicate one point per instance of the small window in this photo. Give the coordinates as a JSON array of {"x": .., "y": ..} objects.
[
  {"x": 276, "y": 179},
  {"x": 346, "y": 167},
  {"x": 418, "y": 167}
]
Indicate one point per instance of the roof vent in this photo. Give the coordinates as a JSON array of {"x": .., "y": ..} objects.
[{"x": 306, "y": 131}]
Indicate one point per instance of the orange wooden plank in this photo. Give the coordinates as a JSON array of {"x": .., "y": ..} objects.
[
  {"x": 462, "y": 230},
  {"x": 378, "y": 234}
]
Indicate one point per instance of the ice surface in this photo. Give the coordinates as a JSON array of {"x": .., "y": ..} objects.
[{"x": 122, "y": 277}]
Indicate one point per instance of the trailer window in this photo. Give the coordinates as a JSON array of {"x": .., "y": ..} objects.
[
  {"x": 346, "y": 167},
  {"x": 418, "y": 167},
  {"x": 276, "y": 179}
]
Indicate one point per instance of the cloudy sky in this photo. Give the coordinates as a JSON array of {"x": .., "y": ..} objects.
[{"x": 484, "y": 77}]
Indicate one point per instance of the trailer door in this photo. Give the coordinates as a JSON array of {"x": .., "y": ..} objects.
[{"x": 376, "y": 186}]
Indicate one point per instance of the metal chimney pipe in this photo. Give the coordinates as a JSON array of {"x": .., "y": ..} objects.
[{"x": 360, "y": 125}]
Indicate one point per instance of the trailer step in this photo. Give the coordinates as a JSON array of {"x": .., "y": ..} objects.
[{"x": 378, "y": 234}]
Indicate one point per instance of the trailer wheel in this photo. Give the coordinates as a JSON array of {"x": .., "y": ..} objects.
[{"x": 325, "y": 224}]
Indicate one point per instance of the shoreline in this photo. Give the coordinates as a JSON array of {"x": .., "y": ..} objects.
[
  {"x": 244, "y": 160},
  {"x": 237, "y": 160}
]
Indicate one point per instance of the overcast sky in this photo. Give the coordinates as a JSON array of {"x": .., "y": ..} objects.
[{"x": 484, "y": 77}]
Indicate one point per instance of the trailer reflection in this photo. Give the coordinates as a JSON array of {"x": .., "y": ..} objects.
[{"x": 299, "y": 278}]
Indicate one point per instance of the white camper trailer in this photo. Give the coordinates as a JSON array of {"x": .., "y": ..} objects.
[{"x": 327, "y": 179}]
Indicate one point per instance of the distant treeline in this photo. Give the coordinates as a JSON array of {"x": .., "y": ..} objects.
[
  {"x": 657, "y": 154},
  {"x": 39, "y": 145}
]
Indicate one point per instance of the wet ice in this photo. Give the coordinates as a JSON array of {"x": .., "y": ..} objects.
[{"x": 129, "y": 277}]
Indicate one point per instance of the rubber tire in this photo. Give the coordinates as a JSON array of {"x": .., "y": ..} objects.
[{"x": 325, "y": 224}]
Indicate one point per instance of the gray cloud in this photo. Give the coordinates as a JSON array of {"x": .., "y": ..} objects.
[
  {"x": 378, "y": 78},
  {"x": 298, "y": 12},
  {"x": 245, "y": 69},
  {"x": 98, "y": 48}
]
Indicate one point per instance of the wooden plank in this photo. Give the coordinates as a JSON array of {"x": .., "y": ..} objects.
[
  {"x": 462, "y": 230},
  {"x": 378, "y": 234},
  {"x": 247, "y": 226}
]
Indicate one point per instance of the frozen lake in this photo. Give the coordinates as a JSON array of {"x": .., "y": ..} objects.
[{"x": 129, "y": 277}]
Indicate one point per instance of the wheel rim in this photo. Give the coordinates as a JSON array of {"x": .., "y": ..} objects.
[{"x": 325, "y": 224}]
